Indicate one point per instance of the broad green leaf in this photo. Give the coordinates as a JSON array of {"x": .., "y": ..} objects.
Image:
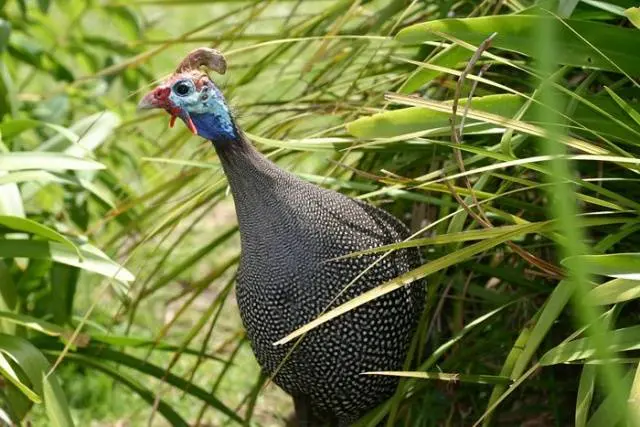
[
  {"x": 529, "y": 341},
  {"x": 429, "y": 122},
  {"x": 7, "y": 89},
  {"x": 421, "y": 121},
  {"x": 182, "y": 163},
  {"x": 448, "y": 57},
  {"x": 615, "y": 291},
  {"x": 310, "y": 144},
  {"x": 5, "y": 30},
  {"x": 36, "y": 368},
  {"x": 98, "y": 190},
  {"x": 5, "y": 418},
  {"x": 8, "y": 295},
  {"x": 44, "y": 177},
  {"x": 635, "y": 115},
  {"x": 63, "y": 281},
  {"x": 92, "y": 261},
  {"x": 7, "y": 371},
  {"x": 32, "y": 175},
  {"x": 11, "y": 204},
  {"x": 607, "y": 413},
  {"x": 624, "y": 339},
  {"x": 622, "y": 266},
  {"x": 34, "y": 53},
  {"x": 33, "y": 323},
  {"x": 517, "y": 33},
  {"x": 55, "y": 403},
  {"x": 33, "y": 227},
  {"x": 44, "y": 5},
  {"x": 13, "y": 128},
  {"x": 586, "y": 387},
  {"x": 634, "y": 396},
  {"x": 92, "y": 131},
  {"x": 548, "y": 316},
  {"x": 606, "y": 6},
  {"x": 46, "y": 161},
  {"x": 125, "y": 20},
  {"x": 585, "y": 394},
  {"x": 566, "y": 7},
  {"x": 10, "y": 198},
  {"x": 633, "y": 13}
]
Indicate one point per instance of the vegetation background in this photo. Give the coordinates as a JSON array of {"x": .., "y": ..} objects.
[{"x": 119, "y": 242}]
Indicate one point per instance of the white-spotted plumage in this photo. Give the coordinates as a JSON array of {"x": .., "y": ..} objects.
[{"x": 291, "y": 233}]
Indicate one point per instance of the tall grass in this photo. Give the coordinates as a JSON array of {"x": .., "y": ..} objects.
[{"x": 504, "y": 133}]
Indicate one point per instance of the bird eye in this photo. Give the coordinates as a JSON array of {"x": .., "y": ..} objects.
[{"x": 182, "y": 88}]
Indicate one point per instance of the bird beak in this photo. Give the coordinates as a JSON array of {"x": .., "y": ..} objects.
[
  {"x": 149, "y": 102},
  {"x": 158, "y": 98}
]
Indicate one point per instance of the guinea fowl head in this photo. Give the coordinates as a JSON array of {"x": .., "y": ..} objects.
[{"x": 190, "y": 95}]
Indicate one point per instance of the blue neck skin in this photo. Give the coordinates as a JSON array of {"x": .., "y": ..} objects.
[{"x": 218, "y": 129}]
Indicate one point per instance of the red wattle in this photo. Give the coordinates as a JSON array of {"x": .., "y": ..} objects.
[
  {"x": 172, "y": 122},
  {"x": 191, "y": 126}
]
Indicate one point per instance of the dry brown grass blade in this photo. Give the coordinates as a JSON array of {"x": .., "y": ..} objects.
[{"x": 456, "y": 137}]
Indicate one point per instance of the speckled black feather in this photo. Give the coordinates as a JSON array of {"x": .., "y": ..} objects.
[{"x": 290, "y": 232}]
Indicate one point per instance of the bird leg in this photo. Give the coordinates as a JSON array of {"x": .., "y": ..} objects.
[{"x": 303, "y": 411}]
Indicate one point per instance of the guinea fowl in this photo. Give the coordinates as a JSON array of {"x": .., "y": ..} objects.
[{"x": 291, "y": 234}]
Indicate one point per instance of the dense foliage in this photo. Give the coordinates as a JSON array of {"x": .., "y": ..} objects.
[{"x": 505, "y": 133}]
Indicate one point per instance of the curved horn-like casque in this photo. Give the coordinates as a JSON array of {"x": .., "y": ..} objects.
[{"x": 207, "y": 56}]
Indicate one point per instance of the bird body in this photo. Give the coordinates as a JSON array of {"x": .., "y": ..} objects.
[{"x": 293, "y": 235}]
